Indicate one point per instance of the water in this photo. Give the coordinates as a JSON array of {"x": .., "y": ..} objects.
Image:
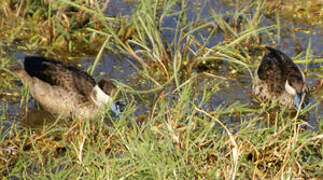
[{"x": 236, "y": 89}]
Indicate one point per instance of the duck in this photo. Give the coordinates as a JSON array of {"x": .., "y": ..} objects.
[
  {"x": 279, "y": 79},
  {"x": 65, "y": 89}
]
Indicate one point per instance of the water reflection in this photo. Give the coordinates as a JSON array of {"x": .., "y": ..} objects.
[{"x": 36, "y": 118}]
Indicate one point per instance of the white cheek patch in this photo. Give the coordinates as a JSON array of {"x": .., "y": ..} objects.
[
  {"x": 100, "y": 97},
  {"x": 290, "y": 90}
]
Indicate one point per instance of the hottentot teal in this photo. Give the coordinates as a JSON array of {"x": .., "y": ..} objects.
[
  {"x": 63, "y": 88},
  {"x": 278, "y": 78}
]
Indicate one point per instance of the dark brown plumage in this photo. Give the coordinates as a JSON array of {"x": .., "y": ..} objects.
[
  {"x": 70, "y": 77},
  {"x": 278, "y": 78},
  {"x": 63, "y": 88}
]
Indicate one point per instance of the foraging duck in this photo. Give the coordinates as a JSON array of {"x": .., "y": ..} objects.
[
  {"x": 278, "y": 78},
  {"x": 65, "y": 89}
]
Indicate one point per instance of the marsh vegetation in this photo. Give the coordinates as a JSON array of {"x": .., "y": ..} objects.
[{"x": 184, "y": 70}]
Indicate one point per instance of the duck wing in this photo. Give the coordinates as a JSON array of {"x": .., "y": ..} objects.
[
  {"x": 58, "y": 73},
  {"x": 287, "y": 65},
  {"x": 271, "y": 70}
]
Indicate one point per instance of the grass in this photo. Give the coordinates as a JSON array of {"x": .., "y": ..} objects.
[{"x": 180, "y": 136}]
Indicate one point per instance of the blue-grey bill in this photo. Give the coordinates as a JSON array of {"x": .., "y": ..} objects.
[
  {"x": 297, "y": 100},
  {"x": 117, "y": 108}
]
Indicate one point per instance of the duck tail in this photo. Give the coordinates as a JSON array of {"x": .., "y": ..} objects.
[
  {"x": 20, "y": 73},
  {"x": 274, "y": 51},
  {"x": 10, "y": 70},
  {"x": 270, "y": 48},
  {"x": 14, "y": 68}
]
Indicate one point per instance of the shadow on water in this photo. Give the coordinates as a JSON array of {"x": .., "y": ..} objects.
[
  {"x": 37, "y": 118},
  {"x": 235, "y": 89}
]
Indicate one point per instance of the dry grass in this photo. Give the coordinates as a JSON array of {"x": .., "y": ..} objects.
[{"x": 180, "y": 136}]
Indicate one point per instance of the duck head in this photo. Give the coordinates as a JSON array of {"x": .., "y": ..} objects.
[
  {"x": 110, "y": 89},
  {"x": 296, "y": 87}
]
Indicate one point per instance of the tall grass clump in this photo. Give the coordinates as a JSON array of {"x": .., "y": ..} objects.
[
  {"x": 178, "y": 140},
  {"x": 56, "y": 25}
]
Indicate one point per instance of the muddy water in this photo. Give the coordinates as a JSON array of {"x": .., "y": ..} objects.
[{"x": 235, "y": 90}]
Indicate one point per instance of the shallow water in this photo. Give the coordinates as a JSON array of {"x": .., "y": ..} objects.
[{"x": 235, "y": 90}]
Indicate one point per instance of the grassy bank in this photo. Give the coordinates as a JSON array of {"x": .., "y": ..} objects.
[{"x": 176, "y": 52}]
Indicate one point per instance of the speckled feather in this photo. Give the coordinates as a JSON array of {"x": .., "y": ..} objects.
[
  {"x": 271, "y": 75},
  {"x": 63, "y": 88},
  {"x": 71, "y": 78}
]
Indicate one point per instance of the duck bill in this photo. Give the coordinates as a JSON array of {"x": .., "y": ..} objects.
[
  {"x": 297, "y": 100},
  {"x": 117, "y": 108}
]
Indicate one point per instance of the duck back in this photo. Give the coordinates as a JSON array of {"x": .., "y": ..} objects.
[{"x": 57, "y": 73}]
